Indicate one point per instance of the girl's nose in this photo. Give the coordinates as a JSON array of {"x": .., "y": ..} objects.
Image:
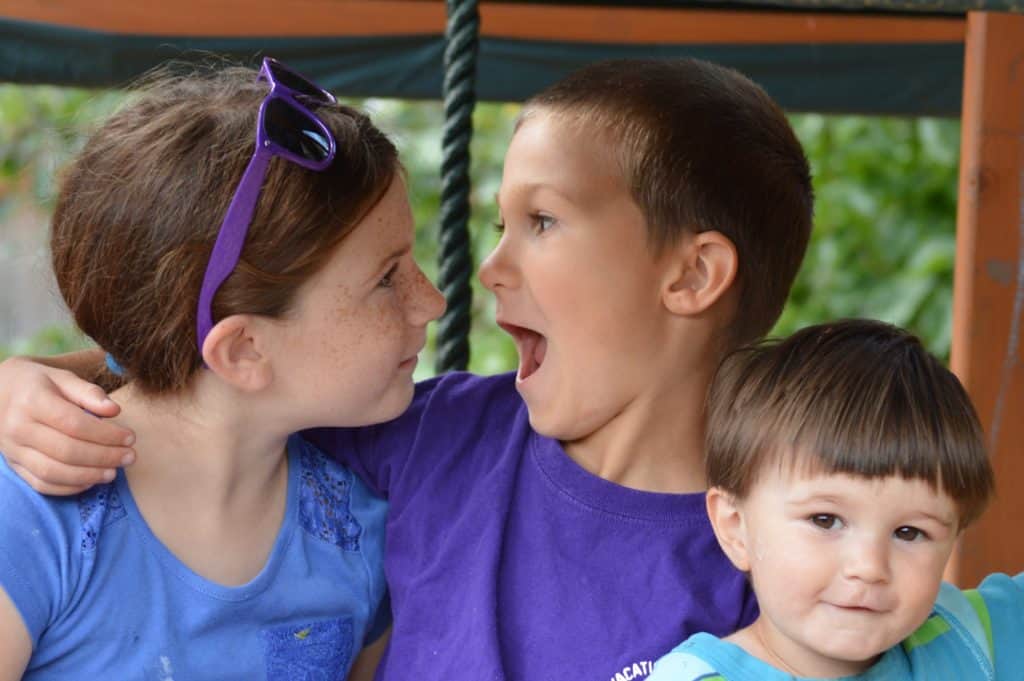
[{"x": 427, "y": 303}]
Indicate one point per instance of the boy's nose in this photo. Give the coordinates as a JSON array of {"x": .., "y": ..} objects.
[
  {"x": 495, "y": 270},
  {"x": 868, "y": 560}
]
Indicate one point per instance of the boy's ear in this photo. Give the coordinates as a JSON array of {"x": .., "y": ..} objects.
[
  {"x": 730, "y": 530},
  {"x": 233, "y": 351},
  {"x": 704, "y": 269}
]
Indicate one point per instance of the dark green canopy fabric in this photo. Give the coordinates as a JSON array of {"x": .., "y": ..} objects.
[{"x": 910, "y": 79}]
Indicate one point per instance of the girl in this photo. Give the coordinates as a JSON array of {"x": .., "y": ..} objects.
[{"x": 241, "y": 296}]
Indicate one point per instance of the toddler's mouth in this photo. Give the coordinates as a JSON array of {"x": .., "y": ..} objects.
[{"x": 532, "y": 347}]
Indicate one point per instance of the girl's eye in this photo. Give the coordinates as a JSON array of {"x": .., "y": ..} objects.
[
  {"x": 387, "y": 281},
  {"x": 825, "y": 521},
  {"x": 499, "y": 227},
  {"x": 907, "y": 533}
]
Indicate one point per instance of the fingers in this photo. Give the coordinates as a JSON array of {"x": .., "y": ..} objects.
[
  {"x": 47, "y": 488},
  {"x": 46, "y": 435},
  {"x": 65, "y": 450},
  {"x": 54, "y": 411},
  {"x": 88, "y": 396}
]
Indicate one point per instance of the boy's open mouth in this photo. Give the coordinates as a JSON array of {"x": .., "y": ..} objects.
[{"x": 532, "y": 347}]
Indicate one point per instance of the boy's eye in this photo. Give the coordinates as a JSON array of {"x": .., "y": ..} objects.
[
  {"x": 541, "y": 222},
  {"x": 907, "y": 533},
  {"x": 825, "y": 521}
]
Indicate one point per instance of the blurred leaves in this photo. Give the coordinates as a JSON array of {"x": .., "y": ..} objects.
[
  {"x": 883, "y": 244},
  {"x": 50, "y": 340},
  {"x": 884, "y": 238},
  {"x": 40, "y": 129}
]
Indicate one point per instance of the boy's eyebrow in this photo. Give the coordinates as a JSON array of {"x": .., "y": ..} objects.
[
  {"x": 813, "y": 498},
  {"x": 945, "y": 522},
  {"x": 834, "y": 499},
  {"x": 530, "y": 188}
]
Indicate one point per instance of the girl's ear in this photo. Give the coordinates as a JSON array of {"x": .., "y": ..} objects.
[
  {"x": 730, "y": 530},
  {"x": 705, "y": 267},
  {"x": 233, "y": 351}
]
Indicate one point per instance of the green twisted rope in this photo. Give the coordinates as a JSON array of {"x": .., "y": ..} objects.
[{"x": 456, "y": 260}]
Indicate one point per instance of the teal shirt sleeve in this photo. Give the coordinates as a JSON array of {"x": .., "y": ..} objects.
[{"x": 1003, "y": 598}]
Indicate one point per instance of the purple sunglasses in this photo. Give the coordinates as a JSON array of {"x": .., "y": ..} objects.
[{"x": 287, "y": 128}]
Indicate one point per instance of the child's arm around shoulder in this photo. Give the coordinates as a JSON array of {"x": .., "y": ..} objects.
[
  {"x": 50, "y": 432},
  {"x": 443, "y": 409}
]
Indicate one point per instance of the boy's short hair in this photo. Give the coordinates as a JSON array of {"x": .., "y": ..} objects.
[
  {"x": 701, "y": 148},
  {"x": 858, "y": 397}
]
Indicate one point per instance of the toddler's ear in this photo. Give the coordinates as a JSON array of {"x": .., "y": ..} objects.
[
  {"x": 705, "y": 268},
  {"x": 730, "y": 530},
  {"x": 233, "y": 351}
]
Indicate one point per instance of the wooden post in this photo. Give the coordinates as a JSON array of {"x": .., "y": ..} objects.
[{"x": 988, "y": 294}]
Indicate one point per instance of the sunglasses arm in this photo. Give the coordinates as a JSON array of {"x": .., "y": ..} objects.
[{"x": 228, "y": 247}]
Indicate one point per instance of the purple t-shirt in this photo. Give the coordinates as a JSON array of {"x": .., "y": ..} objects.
[{"x": 508, "y": 562}]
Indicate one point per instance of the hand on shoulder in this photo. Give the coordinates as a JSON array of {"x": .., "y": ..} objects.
[{"x": 51, "y": 432}]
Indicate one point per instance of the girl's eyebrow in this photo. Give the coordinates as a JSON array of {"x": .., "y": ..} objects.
[{"x": 393, "y": 255}]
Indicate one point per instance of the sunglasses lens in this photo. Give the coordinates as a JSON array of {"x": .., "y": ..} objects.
[
  {"x": 295, "y": 132},
  {"x": 297, "y": 83}
]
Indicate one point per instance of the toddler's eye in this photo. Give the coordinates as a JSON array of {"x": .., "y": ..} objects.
[
  {"x": 907, "y": 533},
  {"x": 499, "y": 227},
  {"x": 826, "y": 521}
]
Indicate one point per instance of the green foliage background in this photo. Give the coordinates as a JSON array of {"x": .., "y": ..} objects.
[{"x": 883, "y": 244}]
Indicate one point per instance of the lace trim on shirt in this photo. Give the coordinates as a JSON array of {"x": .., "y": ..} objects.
[
  {"x": 97, "y": 508},
  {"x": 324, "y": 502}
]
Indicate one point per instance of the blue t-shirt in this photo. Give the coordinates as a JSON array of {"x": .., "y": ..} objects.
[
  {"x": 509, "y": 562},
  {"x": 103, "y": 598},
  {"x": 970, "y": 636}
]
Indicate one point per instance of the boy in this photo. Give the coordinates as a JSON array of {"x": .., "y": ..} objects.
[
  {"x": 550, "y": 524},
  {"x": 843, "y": 464}
]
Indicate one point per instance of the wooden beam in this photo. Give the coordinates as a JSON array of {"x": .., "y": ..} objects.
[
  {"x": 989, "y": 279},
  {"x": 570, "y": 23},
  {"x": 237, "y": 18},
  {"x": 636, "y": 25}
]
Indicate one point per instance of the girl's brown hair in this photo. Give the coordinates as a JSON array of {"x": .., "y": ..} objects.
[
  {"x": 857, "y": 397},
  {"x": 140, "y": 208}
]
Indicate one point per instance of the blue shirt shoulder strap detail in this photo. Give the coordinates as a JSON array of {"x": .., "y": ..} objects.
[
  {"x": 682, "y": 666},
  {"x": 953, "y": 640},
  {"x": 970, "y": 613},
  {"x": 325, "y": 498},
  {"x": 98, "y": 507}
]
